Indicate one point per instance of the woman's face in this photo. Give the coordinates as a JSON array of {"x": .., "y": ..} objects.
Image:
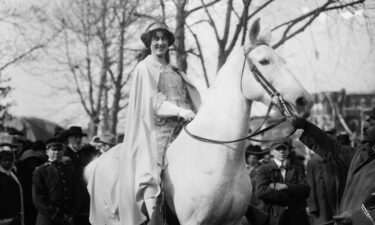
[
  {"x": 6, "y": 162},
  {"x": 159, "y": 44}
]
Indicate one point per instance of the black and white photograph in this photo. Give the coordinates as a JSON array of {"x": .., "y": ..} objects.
[{"x": 187, "y": 112}]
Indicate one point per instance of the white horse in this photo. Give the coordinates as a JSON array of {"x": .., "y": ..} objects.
[{"x": 207, "y": 183}]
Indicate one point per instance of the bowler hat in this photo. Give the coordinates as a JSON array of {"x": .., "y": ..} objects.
[
  {"x": 73, "y": 131},
  {"x": 371, "y": 113},
  {"x": 147, "y": 35}
]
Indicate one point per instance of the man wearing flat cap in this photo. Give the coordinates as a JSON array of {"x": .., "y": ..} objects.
[
  {"x": 54, "y": 187},
  {"x": 358, "y": 161},
  {"x": 282, "y": 186}
]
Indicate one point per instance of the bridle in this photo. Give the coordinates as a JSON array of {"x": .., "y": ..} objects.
[{"x": 272, "y": 92}]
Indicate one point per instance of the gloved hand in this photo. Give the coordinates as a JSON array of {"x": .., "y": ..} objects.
[
  {"x": 299, "y": 123},
  {"x": 186, "y": 114}
]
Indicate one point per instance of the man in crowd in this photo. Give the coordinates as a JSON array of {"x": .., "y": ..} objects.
[
  {"x": 327, "y": 182},
  {"x": 360, "y": 161},
  {"x": 282, "y": 186},
  {"x": 73, "y": 137},
  {"x": 81, "y": 155},
  {"x": 54, "y": 188}
]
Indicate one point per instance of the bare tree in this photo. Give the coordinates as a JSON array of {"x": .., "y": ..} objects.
[
  {"x": 102, "y": 69},
  {"x": 17, "y": 46},
  {"x": 297, "y": 25}
]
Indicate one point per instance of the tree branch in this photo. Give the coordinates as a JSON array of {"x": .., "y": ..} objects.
[
  {"x": 200, "y": 56},
  {"x": 211, "y": 22},
  {"x": 313, "y": 14},
  {"x": 202, "y": 6}
]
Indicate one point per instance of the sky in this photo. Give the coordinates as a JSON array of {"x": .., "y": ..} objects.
[{"x": 336, "y": 52}]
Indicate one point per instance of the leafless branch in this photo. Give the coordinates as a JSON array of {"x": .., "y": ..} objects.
[{"x": 200, "y": 56}]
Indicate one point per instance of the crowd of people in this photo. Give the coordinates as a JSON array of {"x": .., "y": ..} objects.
[
  {"x": 334, "y": 185},
  {"x": 42, "y": 182}
]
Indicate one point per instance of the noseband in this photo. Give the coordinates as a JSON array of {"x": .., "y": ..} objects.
[
  {"x": 267, "y": 86},
  {"x": 272, "y": 92}
]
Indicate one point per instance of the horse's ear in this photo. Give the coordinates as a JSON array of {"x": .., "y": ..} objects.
[
  {"x": 265, "y": 36},
  {"x": 254, "y": 31}
]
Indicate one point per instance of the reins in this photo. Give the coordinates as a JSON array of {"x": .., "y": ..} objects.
[{"x": 272, "y": 92}]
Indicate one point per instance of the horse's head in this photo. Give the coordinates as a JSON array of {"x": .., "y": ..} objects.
[{"x": 266, "y": 74}]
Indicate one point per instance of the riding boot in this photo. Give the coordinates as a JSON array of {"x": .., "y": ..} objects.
[{"x": 153, "y": 207}]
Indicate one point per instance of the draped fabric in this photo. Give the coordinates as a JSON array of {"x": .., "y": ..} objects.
[{"x": 139, "y": 173}]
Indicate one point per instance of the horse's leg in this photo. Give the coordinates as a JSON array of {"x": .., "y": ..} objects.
[{"x": 170, "y": 216}]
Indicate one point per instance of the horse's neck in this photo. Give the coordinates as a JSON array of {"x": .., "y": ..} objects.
[{"x": 225, "y": 111}]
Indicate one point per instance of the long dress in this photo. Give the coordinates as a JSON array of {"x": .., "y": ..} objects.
[{"x": 171, "y": 88}]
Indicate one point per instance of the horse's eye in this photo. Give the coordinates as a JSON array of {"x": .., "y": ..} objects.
[{"x": 264, "y": 62}]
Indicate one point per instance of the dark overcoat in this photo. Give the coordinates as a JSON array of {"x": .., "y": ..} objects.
[
  {"x": 360, "y": 162},
  {"x": 54, "y": 192},
  {"x": 327, "y": 182},
  {"x": 10, "y": 197},
  {"x": 283, "y": 206},
  {"x": 80, "y": 160}
]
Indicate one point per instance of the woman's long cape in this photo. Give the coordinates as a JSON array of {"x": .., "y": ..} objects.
[{"x": 138, "y": 167}]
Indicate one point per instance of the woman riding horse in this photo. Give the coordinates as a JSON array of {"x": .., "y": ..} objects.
[
  {"x": 204, "y": 182},
  {"x": 160, "y": 95}
]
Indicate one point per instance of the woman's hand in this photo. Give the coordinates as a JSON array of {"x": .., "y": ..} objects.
[{"x": 186, "y": 114}]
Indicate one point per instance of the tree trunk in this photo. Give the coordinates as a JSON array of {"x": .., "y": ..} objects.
[{"x": 181, "y": 57}]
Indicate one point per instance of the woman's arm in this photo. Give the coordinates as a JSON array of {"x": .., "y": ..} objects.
[{"x": 168, "y": 109}]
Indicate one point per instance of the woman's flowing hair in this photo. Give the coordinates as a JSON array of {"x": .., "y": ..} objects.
[{"x": 142, "y": 54}]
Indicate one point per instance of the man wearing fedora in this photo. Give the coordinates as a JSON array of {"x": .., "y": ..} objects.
[
  {"x": 358, "y": 161},
  {"x": 73, "y": 137},
  {"x": 80, "y": 156}
]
